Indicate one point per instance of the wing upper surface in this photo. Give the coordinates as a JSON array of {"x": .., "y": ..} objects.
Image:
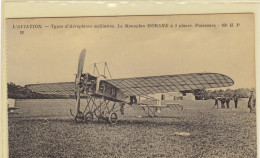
[
  {"x": 171, "y": 83},
  {"x": 61, "y": 88}
]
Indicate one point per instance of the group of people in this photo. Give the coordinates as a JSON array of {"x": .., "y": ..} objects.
[{"x": 226, "y": 100}]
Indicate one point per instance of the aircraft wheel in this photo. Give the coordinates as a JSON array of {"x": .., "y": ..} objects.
[
  {"x": 112, "y": 119},
  {"x": 79, "y": 117},
  {"x": 88, "y": 118}
]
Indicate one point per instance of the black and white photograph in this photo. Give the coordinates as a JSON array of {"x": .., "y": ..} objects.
[{"x": 132, "y": 86}]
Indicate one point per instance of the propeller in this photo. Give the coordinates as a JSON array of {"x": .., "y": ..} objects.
[
  {"x": 78, "y": 76},
  {"x": 81, "y": 61}
]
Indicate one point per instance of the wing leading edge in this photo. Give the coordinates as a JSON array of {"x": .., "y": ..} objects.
[
  {"x": 61, "y": 88},
  {"x": 171, "y": 83}
]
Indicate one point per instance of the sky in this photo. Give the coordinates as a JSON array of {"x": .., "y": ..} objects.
[{"x": 47, "y": 55}]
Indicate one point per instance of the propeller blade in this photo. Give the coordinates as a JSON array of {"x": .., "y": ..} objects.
[
  {"x": 81, "y": 62},
  {"x": 80, "y": 69}
]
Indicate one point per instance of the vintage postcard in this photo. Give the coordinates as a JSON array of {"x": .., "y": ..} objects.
[{"x": 132, "y": 86}]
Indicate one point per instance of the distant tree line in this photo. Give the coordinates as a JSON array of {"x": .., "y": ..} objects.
[{"x": 20, "y": 92}]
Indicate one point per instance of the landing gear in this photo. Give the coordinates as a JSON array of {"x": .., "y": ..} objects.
[
  {"x": 112, "y": 119},
  {"x": 79, "y": 117},
  {"x": 88, "y": 117},
  {"x": 98, "y": 108}
]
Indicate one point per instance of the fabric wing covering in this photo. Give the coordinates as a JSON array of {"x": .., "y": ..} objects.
[
  {"x": 145, "y": 85},
  {"x": 171, "y": 83},
  {"x": 62, "y": 88}
]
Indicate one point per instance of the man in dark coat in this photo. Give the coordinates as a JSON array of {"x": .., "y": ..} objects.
[
  {"x": 222, "y": 100},
  {"x": 216, "y": 102},
  {"x": 227, "y": 101},
  {"x": 235, "y": 100},
  {"x": 122, "y": 108}
]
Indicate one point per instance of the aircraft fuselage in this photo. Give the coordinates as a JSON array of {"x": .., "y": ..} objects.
[{"x": 97, "y": 86}]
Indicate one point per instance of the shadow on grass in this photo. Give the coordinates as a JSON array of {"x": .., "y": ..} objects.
[
  {"x": 158, "y": 121},
  {"x": 151, "y": 123}
]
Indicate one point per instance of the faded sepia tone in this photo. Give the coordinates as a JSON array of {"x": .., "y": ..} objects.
[
  {"x": 46, "y": 50},
  {"x": 133, "y": 51}
]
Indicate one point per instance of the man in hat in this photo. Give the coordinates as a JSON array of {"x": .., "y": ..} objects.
[
  {"x": 222, "y": 100},
  {"x": 235, "y": 100},
  {"x": 216, "y": 102},
  {"x": 251, "y": 102},
  {"x": 227, "y": 101}
]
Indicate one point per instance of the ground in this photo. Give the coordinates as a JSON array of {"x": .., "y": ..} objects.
[{"x": 44, "y": 128}]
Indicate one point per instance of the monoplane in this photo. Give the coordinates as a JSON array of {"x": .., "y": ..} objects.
[{"x": 105, "y": 97}]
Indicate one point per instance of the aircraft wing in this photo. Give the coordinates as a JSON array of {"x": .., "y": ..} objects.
[
  {"x": 170, "y": 83},
  {"x": 61, "y": 88}
]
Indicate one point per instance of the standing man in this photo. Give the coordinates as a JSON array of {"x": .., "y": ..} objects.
[
  {"x": 216, "y": 102},
  {"x": 122, "y": 108},
  {"x": 235, "y": 100},
  {"x": 251, "y": 102},
  {"x": 227, "y": 102},
  {"x": 222, "y": 100}
]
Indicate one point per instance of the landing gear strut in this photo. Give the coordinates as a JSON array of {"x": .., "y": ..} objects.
[{"x": 98, "y": 108}]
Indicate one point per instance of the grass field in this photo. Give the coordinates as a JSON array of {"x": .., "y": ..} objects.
[{"x": 44, "y": 128}]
